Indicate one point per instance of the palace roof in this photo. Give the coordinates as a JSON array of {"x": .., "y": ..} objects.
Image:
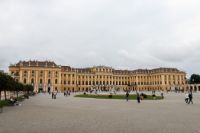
[{"x": 36, "y": 64}]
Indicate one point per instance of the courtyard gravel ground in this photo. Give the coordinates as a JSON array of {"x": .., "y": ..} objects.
[{"x": 41, "y": 114}]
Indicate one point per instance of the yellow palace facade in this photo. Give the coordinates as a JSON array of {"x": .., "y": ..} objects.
[{"x": 46, "y": 75}]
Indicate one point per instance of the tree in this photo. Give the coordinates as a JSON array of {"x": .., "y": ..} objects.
[
  {"x": 28, "y": 88},
  {"x": 18, "y": 87},
  {"x": 7, "y": 83},
  {"x": 194, "y": 79},
  {"x": 3, "y": 83}
]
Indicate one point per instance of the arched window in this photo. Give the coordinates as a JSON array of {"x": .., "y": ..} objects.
[
  {"x": 56, "y": 81},
  {"x": 24, "y": 81},
  {"x": 49, "y": 81},
  {"x": 32, "y": 81},
  {"x": 40, "y": 81}
]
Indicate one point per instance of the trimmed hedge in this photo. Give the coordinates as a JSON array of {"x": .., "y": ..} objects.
[{"x": 131, "y": 97}]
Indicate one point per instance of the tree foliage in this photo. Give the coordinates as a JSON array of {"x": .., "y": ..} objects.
[
  {"x": 7, "y": 83},
  {"x": 195, "y": 79}
]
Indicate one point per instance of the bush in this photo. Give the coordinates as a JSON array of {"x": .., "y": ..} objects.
[
  {"x": 32, "y": 94},
  {"x": 143, "y": 95},
  {"x": 110, "y": 96},
  {"x": 4, "y": 103},
  {"x": 153, "y": 95},
  {"x": 26, "y": 96},
  {"x": 20, "y": 98}
]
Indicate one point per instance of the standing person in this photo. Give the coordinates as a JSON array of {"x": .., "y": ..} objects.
[
  {"x": 186, "y": 97},
  {"x": 65, "y": 93},
  {"x": 127, "y": 95},
  {"x": 49, "y": 91},
  {"x": 55, "y": 93},
  {"x": 52, "y": 95},
  {"x": 138, "y": 97},
  {"x": 69, "y": 92},
  {"x": 162, "y": 95},
  {"x": 190, "y": 98}
]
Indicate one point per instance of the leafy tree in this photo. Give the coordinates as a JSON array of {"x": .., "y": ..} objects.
[
  {"x": 7, "y": 83},
  {"x": 4, "y": 83},
  {"x": 18, "y": 87},
  {"x": 194, "y": 79},
  {"x": 28, "y": 88}
]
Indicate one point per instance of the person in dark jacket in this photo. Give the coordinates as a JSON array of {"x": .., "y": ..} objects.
[
  {"x": 138, "y": 97},
  {"x": 52, "y": 95},
  {"x": 127, "y": 96},
  {"x": 190, "y": 98}
]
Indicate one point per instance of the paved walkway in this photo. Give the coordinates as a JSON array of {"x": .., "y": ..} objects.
[{"x": 41, "y": 114}]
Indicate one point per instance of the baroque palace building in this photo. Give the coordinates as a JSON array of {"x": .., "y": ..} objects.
[{"x": 46, "y": 75}]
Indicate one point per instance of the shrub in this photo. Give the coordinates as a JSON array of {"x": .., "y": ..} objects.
[
  {"x": 26, "y": 96},
  {"x": 143, "y": 95},
  {"x": 153, "y": 95},
  {"x": 110, "y": 96}
]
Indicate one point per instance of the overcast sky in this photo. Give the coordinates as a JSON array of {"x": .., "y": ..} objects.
[{"x": 124, "y": 34}]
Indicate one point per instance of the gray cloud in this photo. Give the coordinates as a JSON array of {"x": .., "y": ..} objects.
[{"x": 124, "y": 34}]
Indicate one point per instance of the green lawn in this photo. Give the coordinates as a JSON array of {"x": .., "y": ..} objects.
[{"x": 131, "y": 97}]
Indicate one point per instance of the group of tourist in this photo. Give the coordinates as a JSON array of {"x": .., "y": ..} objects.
[
  {"x": 138, "y": 96},
  {"x": 188, "y": 96},
  {"x": 66, "y": 93},
  {"x": 54, "y": 93}
]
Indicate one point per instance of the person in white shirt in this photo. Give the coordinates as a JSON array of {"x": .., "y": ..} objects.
[{"x": 186, "y": 97}]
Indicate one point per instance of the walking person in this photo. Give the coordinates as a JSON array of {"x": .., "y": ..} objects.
[
  {"x": 186, "y": 97},
  {"x": 65, "y": 93},
  {"x": 127, "y": 96},
  {"x": 138, "y": 97},
  {"x": 162, "y": 95},
  {"x": 68, "y": 93},
  {"x": 190, "y": 98},
  {"x": 49, "y": 91},
  {"x": 52, "y": 95},
  {"x": 55, "y": 93}
]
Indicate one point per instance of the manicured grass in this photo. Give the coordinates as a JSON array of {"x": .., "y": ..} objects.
[{"x": 131, "y": 97}]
